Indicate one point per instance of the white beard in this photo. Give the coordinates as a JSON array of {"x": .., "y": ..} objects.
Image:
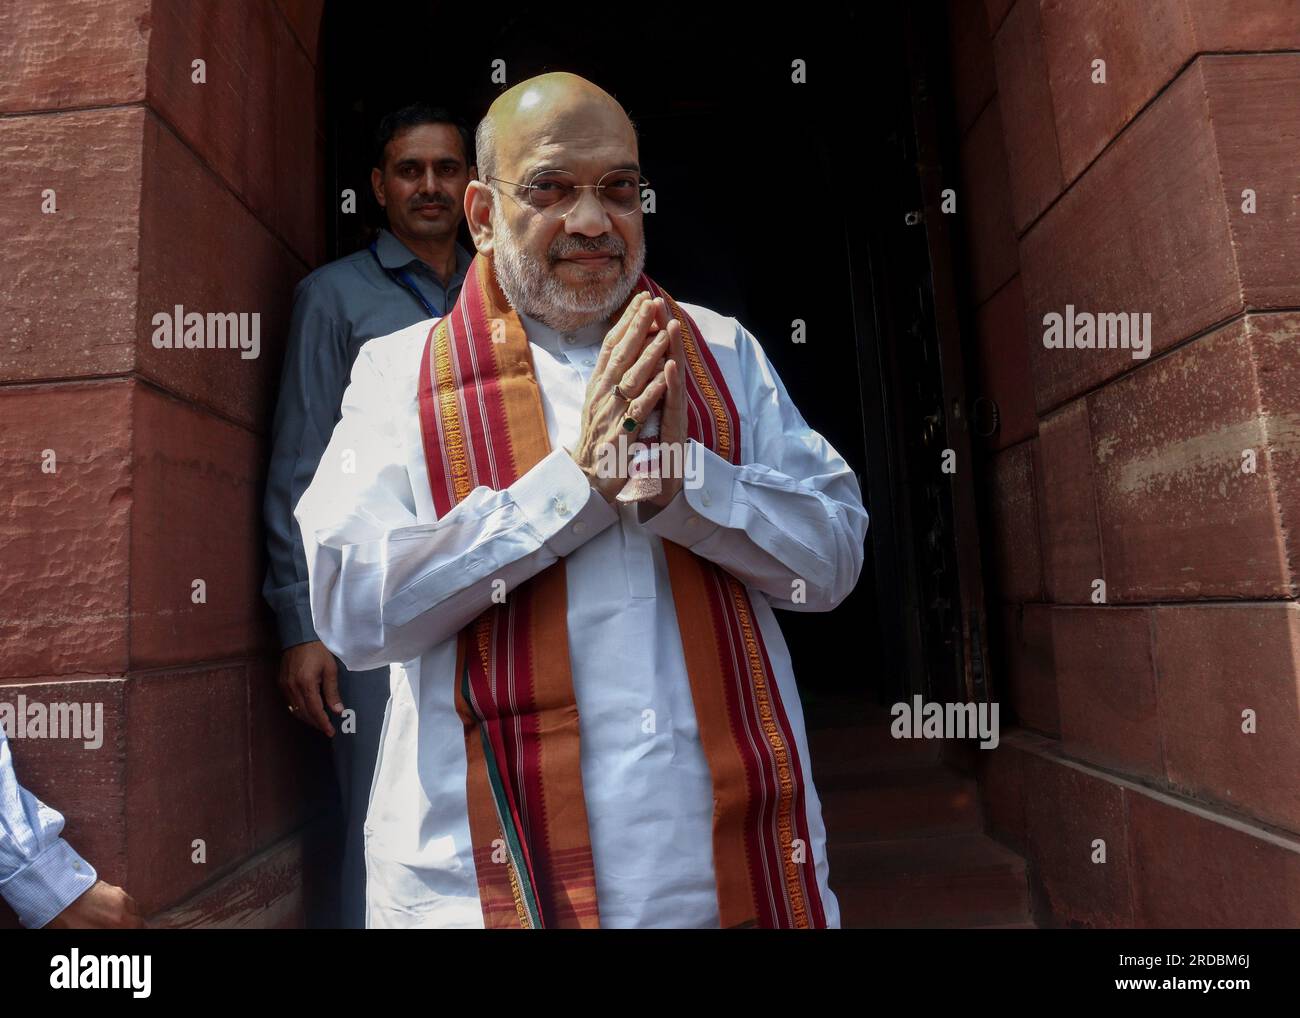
[{"x": 532, "y": 288}]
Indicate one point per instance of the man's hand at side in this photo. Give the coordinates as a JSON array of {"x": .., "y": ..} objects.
[
  {"x": 102, "y": 907},
  {"x": 309, "y": 680}
]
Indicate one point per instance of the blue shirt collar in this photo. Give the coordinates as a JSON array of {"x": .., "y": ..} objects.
[{"x": 393, "y": 254}]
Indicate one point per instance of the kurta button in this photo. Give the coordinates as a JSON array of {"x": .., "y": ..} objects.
[
  {"x": 704, "y": 497},
  {"x": 560, "y": 507},
  {"x": 579, "y": 529}
]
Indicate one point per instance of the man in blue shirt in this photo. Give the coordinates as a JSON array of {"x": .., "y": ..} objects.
[
  {"x": 41, "y": 877},
  {"x": 412, "y": 272}
]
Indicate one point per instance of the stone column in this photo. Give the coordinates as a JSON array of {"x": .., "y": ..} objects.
[{"x": 140, "y": 180}]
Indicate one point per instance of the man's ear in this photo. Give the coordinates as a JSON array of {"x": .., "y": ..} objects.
[
  {"x": 478, "y": 215},
  {"x": 377, "y": 185}
]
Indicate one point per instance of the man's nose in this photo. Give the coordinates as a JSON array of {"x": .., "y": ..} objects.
[
  {"x": 588, "y": 215},
  {"x": 429, "y": 184}
]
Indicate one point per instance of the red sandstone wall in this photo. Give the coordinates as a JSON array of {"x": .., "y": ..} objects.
[
  {"x": 1127, "y": 197},
  {"x": 161, "y": 453}
]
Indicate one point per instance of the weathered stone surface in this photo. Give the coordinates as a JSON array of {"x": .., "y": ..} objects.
[
  {"x": 299, "y": 185},
  {"x": 255, "y": 121},
  {"x": 1215, "y": 662},
  {"x": 1195, "y": 870},
  {"x": 1016, "y": 558},
  {"x": 304, "y": 17},
  {"x": 1057, "y": 120},
  {"x": 1071, "y": 546},
  {"x": 229, "y": 119},
  {"x": 1030, "y": 669},
  {"x": 65, "y": 535},
  {"x": 188, "y": 217},
  {"x": 1105, "y": 682},
  {"x": 1003, "y": 365},
  {"x": 55, "y": 54},
  {"x": 196, "y": 516},
  {"x": 1141, "y": 232},
  {"x": 266, "y": 892},
  {"x": 971, "y": 46},
  {"x": 1180, "y": 517},
  {"x": 1250, "y": 98},
  {"x": 1024, "y": 95},
  {"x": 1067, "y": 811},
  {"x": 1000, "y": 773},
  {"x": 990, "y": 242},
  {"x": 68, "y": 278},
  {"x": 1244, "y": 25},
  {"x": 1143, "y": 45},
  {"x": 87, "y": 785},
  {"x": 1275, "y": 350},
  {"x": 996, "y": 11},
  {"x": 188, "y": 740}
]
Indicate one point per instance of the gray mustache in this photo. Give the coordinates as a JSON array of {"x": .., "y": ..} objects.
[{"x": 575, "y": 245}]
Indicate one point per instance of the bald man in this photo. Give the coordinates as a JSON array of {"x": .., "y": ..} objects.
[{"x": 563, "y": 514}]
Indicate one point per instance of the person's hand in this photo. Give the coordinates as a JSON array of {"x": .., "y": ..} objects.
[
  {"x": 308, "y": 674},
  {"x": 103, "y": 907},
  {"x": 672, "y": 429},
  {"x": 633, "y": 359}
]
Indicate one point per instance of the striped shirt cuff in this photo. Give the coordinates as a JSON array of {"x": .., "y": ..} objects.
[{"x": 48, "y": 884}]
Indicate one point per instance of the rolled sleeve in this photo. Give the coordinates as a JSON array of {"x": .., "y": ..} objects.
[
  {"x": 504, "y": 536},
  {"x": 560, "y": 504},
  {"x": 40, "y": 874},
  {"x": 697, "y": 510},
  {"x": 48, "y": 884}
]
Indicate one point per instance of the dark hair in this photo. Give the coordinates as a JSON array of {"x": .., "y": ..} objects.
[{"x": 416, "y": 115}]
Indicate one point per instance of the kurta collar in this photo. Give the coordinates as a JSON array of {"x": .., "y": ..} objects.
[{"x": 552, "y": 339}]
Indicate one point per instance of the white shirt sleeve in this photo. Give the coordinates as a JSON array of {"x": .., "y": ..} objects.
[
  {"x": 789, "y": 521},
  {"x": 385, "y": 587}
]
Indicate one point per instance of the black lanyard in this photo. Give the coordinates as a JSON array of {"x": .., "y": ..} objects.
[{"x": 400, "y": 277}]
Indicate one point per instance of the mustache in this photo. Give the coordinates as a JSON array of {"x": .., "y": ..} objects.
[
  {"x": 420, "y": 201},
  {"x": 566, "y": 245}
]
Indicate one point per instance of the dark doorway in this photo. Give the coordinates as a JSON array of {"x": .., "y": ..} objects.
[{"x": 777, "y": 201}]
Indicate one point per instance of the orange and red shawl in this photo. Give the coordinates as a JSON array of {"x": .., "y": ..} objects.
[{"x": 482, "y": 424}]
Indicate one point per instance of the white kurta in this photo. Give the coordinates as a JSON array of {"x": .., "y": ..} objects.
[{"x": 392, "y": 583}]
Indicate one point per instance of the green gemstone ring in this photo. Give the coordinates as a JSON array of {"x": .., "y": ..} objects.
[{"x": 629, "y": 424}]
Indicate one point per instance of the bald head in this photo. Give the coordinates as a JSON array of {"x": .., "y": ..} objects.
[
  {"x": 544, "y": 117},
  {"x": 564, "y": 257}
]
